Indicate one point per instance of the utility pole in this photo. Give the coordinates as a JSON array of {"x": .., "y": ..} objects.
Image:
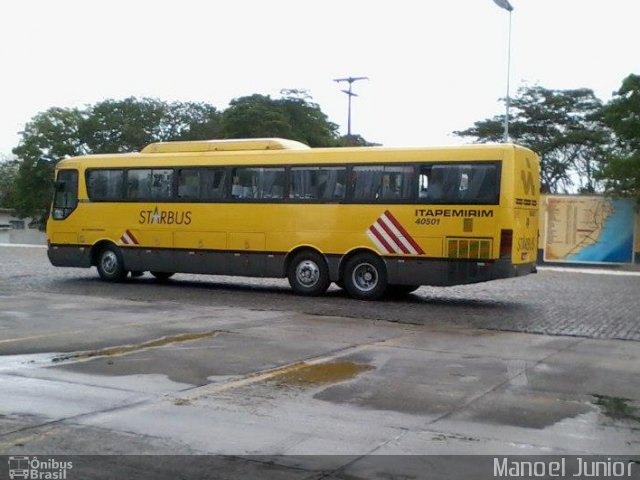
[
  {"x": 350, "y": 94},
  {"x": 509, "y": 8}
]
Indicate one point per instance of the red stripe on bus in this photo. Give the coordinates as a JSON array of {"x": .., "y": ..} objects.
[
  {"x": 393, "y": 236},
  {"x": 381, "y": 239},
  {"x": 132, "y": 237},
  {"x": 404, "y": 232}
]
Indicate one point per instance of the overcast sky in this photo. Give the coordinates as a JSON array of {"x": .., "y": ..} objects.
[{"x": 434, "y": 66}]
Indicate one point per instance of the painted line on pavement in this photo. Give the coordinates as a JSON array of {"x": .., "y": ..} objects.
[
  {"x": 22, "y": 245},
  {"x": 593, "y": 271}
]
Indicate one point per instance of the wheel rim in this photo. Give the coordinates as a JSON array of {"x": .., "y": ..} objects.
[
  {"x": 308, "y": 273},
  {"x": 109, "y": 262},
  {"x": 365, "y": 277}
]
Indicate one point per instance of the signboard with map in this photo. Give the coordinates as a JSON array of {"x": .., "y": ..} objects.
[{"x": 588, "y": 229}]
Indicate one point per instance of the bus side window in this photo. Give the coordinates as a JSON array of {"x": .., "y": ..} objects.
[
  {"x": 271, "y": 182},
  {"x": 138, "y": 184},
  {"x": 458, "y": 183},
  {"x": 213, "y": 183},
  {"x": 303, "y": 184},
  {"x": 431, "y": 183},
  {"x": 317, "y": 183},
  {"x": 260, "y": 183},
  {"x": 366, "y": 183},
  {"x": 483, "y": 184},
  {"x": 103, "y": 185},
  {"x": 332, "y": 182},
  {"x": 397, "y": 183},
  {"x": 189, "y": 183},
  {"x": 243, "y": 183},
  {"x": 162, "y": 182}
]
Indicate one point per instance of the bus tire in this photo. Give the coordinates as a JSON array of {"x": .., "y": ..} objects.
[
  {"x": 110, "y": 264},
  {"x": 162, "y": 276},
  {"x": 365, "y": 277},
  {"x": 309, "y": 274}
]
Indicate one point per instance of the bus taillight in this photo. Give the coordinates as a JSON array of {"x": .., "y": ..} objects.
[{"x": 506, "y": 243}]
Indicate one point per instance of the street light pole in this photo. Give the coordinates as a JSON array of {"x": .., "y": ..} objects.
[
  {"x": 507, "y": 6},
  {"x": 508, "y": 101},
  {"x": 350, "y": 94}
]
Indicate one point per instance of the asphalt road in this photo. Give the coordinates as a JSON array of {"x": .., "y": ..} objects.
[{"x": 244, "y": 368}]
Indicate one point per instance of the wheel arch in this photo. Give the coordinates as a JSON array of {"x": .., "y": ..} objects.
[
  {"x": 356, "y": 251},
  {"x": 301, "y": 248},
  {"x": 98, "y": 246}
]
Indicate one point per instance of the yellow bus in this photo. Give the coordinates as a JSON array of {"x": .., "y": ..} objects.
[{"x": 373, "y": 220}]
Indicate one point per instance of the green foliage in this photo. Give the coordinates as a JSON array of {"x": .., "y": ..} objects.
[
  {"x": 8, "y": 175},
  {"x": 48, "y": 137},
  {"x": 106, "y": 127},
  {"x": 118, "y": 126},
  {"x": 562, "y": 126},
  {"x": 293, "y": 117},
  {"x": 621, "y": 173},
  {"x": 355, "y": 141}
]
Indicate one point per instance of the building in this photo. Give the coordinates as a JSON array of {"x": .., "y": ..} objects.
[{"x": 19, "y": 230}]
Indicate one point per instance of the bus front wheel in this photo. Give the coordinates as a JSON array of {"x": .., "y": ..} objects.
[
  {"x": 110, "y": 264},
  {"x": 308, "y": 274},
  {"x": 365, "y": 277}
]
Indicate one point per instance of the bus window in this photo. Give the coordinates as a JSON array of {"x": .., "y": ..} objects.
[
  {"x": 382, "y": 183},
  {"x": 65, "y": 198},
  {"x": 366, "y": 182},
  {"x": 161, "y": 184},
  {"x": 189, "y": 184},
  {"x": 317, "y": 183},
  {"x": 397, "y": 183},
  {"x": 138, "y": 182},
  {"x": 459, "y": 183},
  {"x": 147, "y": 184},
  {"x": 104, "y": 184},
  {"x": 258, "y": 183},
  {"x": 213, "y": 183}
]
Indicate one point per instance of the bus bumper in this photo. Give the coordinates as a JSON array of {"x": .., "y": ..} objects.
[
  {"x": 446, "y": 272},
  {"x": 69, "y": 255}
]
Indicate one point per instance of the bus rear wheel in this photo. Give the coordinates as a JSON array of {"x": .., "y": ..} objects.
[
  {"x": 365, "y": 277},
  {"x": 162, "y": 276},
  {"x": 308, "y": 274},
  {"x": 110, "y": 264}
]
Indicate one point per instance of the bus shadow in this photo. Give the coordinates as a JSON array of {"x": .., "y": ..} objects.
[{"x": 270, "y": 295}]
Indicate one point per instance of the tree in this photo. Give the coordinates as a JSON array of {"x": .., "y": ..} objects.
[
  {"x": 106, "y": 127},
  {"x": 562, "y": 126},
  {"x": 118, "y": 126},
  {"x": 293, "y": 116},
  {"x": 129, "y": 125},
  {"x": 355, "y": 141},
  {"x": 47, "y": 138},
  {"x": 8, "y": 174},
  {"x": 621, "y": 172}
]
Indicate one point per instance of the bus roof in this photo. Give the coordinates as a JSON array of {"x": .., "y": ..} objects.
[{"x": 268, "y": 151}]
